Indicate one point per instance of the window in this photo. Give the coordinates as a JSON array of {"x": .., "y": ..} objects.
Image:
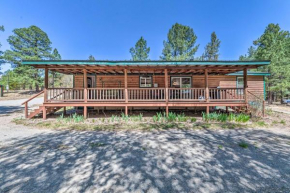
[
  {"x": 181, "y": 82},
  {"x": 240, "y": 84},
  {"x": 145, "y": 81}
]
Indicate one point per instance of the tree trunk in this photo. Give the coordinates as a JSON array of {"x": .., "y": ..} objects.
[
  {"x": 281, "y": 97},
  {"x": 23, "y": 86},
  {"x": 36, "y": 87}
]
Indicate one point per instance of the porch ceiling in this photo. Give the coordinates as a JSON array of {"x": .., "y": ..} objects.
[{"x": 143, "y": 67}]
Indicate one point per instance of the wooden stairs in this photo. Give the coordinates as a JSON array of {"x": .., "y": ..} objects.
[{"x": 38, "y": 111}]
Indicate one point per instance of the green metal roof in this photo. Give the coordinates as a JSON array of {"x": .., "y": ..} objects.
[
  {"x": 139, "y": 63},
  {"x": 250, "y": 73}
]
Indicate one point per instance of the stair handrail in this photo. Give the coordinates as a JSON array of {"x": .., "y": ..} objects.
[
  {"x": 26, "y": 102},
  {"x": 261, "y": 99}
]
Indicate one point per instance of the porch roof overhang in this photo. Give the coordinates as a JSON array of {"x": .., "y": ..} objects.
[{"x": 141, "y": 67}]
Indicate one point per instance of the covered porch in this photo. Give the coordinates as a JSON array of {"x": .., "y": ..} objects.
[{"x": 171, "y": 92}]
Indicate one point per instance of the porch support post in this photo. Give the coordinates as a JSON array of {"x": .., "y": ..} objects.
[
  {"x": 166, "y": 90},
  {"x": 126, "y": 90},
  {"x": 85, "y": 93},
  {"x": 45, "y": 84},
  {"x": 206, "y": 85},
  {"x": 44, "y": 113},
  {"x": 206, "y": 89},
  {"x": 246, "y": 85}
]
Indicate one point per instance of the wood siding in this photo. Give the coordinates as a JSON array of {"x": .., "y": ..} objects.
[{"x": 255, "y": 83}]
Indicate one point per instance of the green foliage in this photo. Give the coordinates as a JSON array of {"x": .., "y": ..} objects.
[
  {"x": 140, "y": 52},
  {"x": 212, "y": 48},
  {"x": 274, "y": 45},
  {"x": 55, "y": 76},
  {"x": 92, "y": 58},
  {"x": 181, "y": 117},
  {"x": 243, "y": 144},
  {"x": 180, "y": 43},
  {"x": 124, "y": 117},
  {"x": 223, "y": 117},
  {"x": 171, "y": 117},
  {"x": 193, "y": 119},
  {"x": 28, "y": 44},
  {"x": 1, "y": 52},
  {"x": 72, "y": 118},
  {"x": 283, "y": 122},
  {"x": 261, "y": 123}
]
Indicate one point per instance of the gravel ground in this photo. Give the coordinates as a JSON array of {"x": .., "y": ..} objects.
[{"x": 41, "y": 160}]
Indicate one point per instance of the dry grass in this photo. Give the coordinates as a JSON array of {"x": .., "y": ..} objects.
[{"x": 18, "y": 94}]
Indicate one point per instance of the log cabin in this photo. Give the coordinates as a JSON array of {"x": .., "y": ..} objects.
[{"x": 152, "y": 84}]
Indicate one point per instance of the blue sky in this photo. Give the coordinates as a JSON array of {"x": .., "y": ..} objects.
[{"x": 108, "y": 28}]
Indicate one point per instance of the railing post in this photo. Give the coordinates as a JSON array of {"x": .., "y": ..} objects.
[
  {"x": 26, "y": 110},
  {"x": 45, "y": 95}
]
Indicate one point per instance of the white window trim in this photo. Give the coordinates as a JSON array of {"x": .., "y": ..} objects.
[
  {"x": 145, "y": 77},
  {"x": 181, "y": 80}
]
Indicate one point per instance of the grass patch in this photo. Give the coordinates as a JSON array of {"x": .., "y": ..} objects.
[
  {"x": 243, "y": 145},
  {"x": 220, "y": 147},
  {"x": 97, "y": 144},
  {"x": 261, "y": 123}
]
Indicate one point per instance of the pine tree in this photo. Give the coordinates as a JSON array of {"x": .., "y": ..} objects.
[
  {"x": 92, "y": 58},
  {"x": 1, "y": 52},
  {"x": 274, "y": 45},
  {"x": 28, "y": 44},
  {"x": 140, "y": 52},
  {"x": 212, "y": 48},
  {"x": 180, "y": 43},
  {"x": 56, "y": 77}
]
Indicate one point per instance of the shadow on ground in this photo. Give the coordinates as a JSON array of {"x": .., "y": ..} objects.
[
  {"x": 165, "y": 161},
  {"x": 4, "y": 110}
]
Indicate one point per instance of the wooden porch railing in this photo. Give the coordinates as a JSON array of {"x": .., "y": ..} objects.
[
  {"x": 25, "y": 103},
  {"x": 143, "y": 94},
  {"x": 186, "y": 94},
  {"x": 226, "y": 94},
  {"x": 64, "y": 94},
  {"x": 106, "y": 94},
  {"x": 146, "y": 94}
]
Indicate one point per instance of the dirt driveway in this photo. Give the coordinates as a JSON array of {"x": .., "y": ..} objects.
[{"x": 206, "y": 160}]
